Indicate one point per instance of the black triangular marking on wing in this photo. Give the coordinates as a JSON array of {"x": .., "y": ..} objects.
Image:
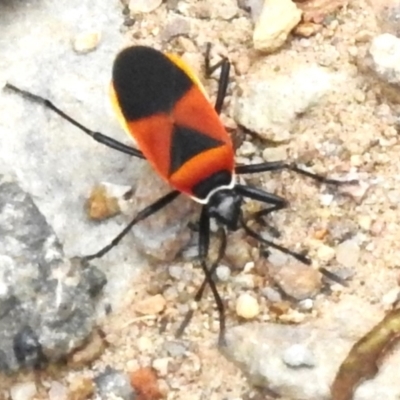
[{"x": 187, "y": 143}]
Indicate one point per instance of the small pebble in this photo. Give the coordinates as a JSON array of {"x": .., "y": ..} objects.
[
  {"x": 101, "y": 204},
  {"x": 357, "y": 191},
  {"x": 225, "y": 10},
  {"x": 247, "y": 149},
  {"x": 144, "y": 344},
  {"x": 276, "y": 20},
  {"x": 143, "y": 6},
  {"x": 306, "y": 304},
  {"x": 23, "y": 391},
  {"x": 356, "y": 160},
  {"x": 292, "y": 317},
  {"x": 175, "y": 27},
  {"x": 277, "y": 258},
  {"x": 325, "y": 253},
  {"x": 144, "y": 381},
  {"x": 275, "y": 153},
  {"x": 390, "y": 297},
  {"x": 238, "y": 251},
  {"x": 223, "y": 273},
  {"x": 175, "y": 272},
  {"x": 307, "y": 29},
  {"x": 86, "y": 42},
  {"x": 151, "y": 305},
  {"x": 365, "y": 222},
  {"x": 271, "y": 294},
  {"x": 114, "y": 383},
  {"x": 170, "y": 293},
  {"x": 363, "y": 36},
  {"x": 320, "y": 234},
  {"x": 297, "y": 280},
  {"x": 326, "y": 199},
  {"x": 249, "y": 266},
  {"x": 247, "y": 306},
  {"x": 254, "y": 6},
  {"x": 161, "y": 366},
  {"x": 175, "y": 348},
  {"x": 57, "y": 391},
  {"x": 297, "y": 356},
  {"x": 80, "y": 388},
  {"x": 387, "y": 15},
  {"x": 244, "y": 281},
  {"x": 348, "y": 253}
]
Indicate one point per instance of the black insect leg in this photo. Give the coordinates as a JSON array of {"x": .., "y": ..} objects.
[
  {"x": 298, "y": 256},
  {"x": 145, "y": 213},
  {"x": 200, "y": 292},
  {"x": 280, "y": 165},
  {"x": 204, "y": 244},
  {"x": 257, "y": 194},
  {"x": 278, "y": 203},
  {"x": 259, "y": 218},
  {"x": 99, "y": 137},
  {"x": 223, "y": 80}
]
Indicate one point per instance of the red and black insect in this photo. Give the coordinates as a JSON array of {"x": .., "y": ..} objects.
[{"x": 161, "y": 103}]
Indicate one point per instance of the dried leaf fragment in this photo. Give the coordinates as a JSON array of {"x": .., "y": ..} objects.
[
  {"x": 362, "y": 360},
  {"x": 92, "y": 350}
]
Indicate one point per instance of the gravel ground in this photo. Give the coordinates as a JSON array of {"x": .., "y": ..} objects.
[{"x": 351, "y": 130}]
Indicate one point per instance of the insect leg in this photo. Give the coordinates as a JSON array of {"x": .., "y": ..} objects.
[
  {"x": 259, "y": 218},
  {"x": 223, "y": 80},
  {"x": 200, "y": 292},
  {"x": 204, "y": 244},
  {"x": 280, "y": 165},
  {"x": 145, "y": 213},
  {"x": 298, "y": 256},
  {"x": 99, "y": 137},
  {"x": 278, "y": 203}
]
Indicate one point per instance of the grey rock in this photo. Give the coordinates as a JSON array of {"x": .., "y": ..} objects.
[
  {"x": 55, "y": 163},
  {"x": 113, "y": 382},
  {"x": 269, "y": 354},
  {"x": 258, "y": 350},
  {"x": 268, "y": 103},
  {"x": 385, "y": 56},
  {"x": 47, "y": 301}
]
